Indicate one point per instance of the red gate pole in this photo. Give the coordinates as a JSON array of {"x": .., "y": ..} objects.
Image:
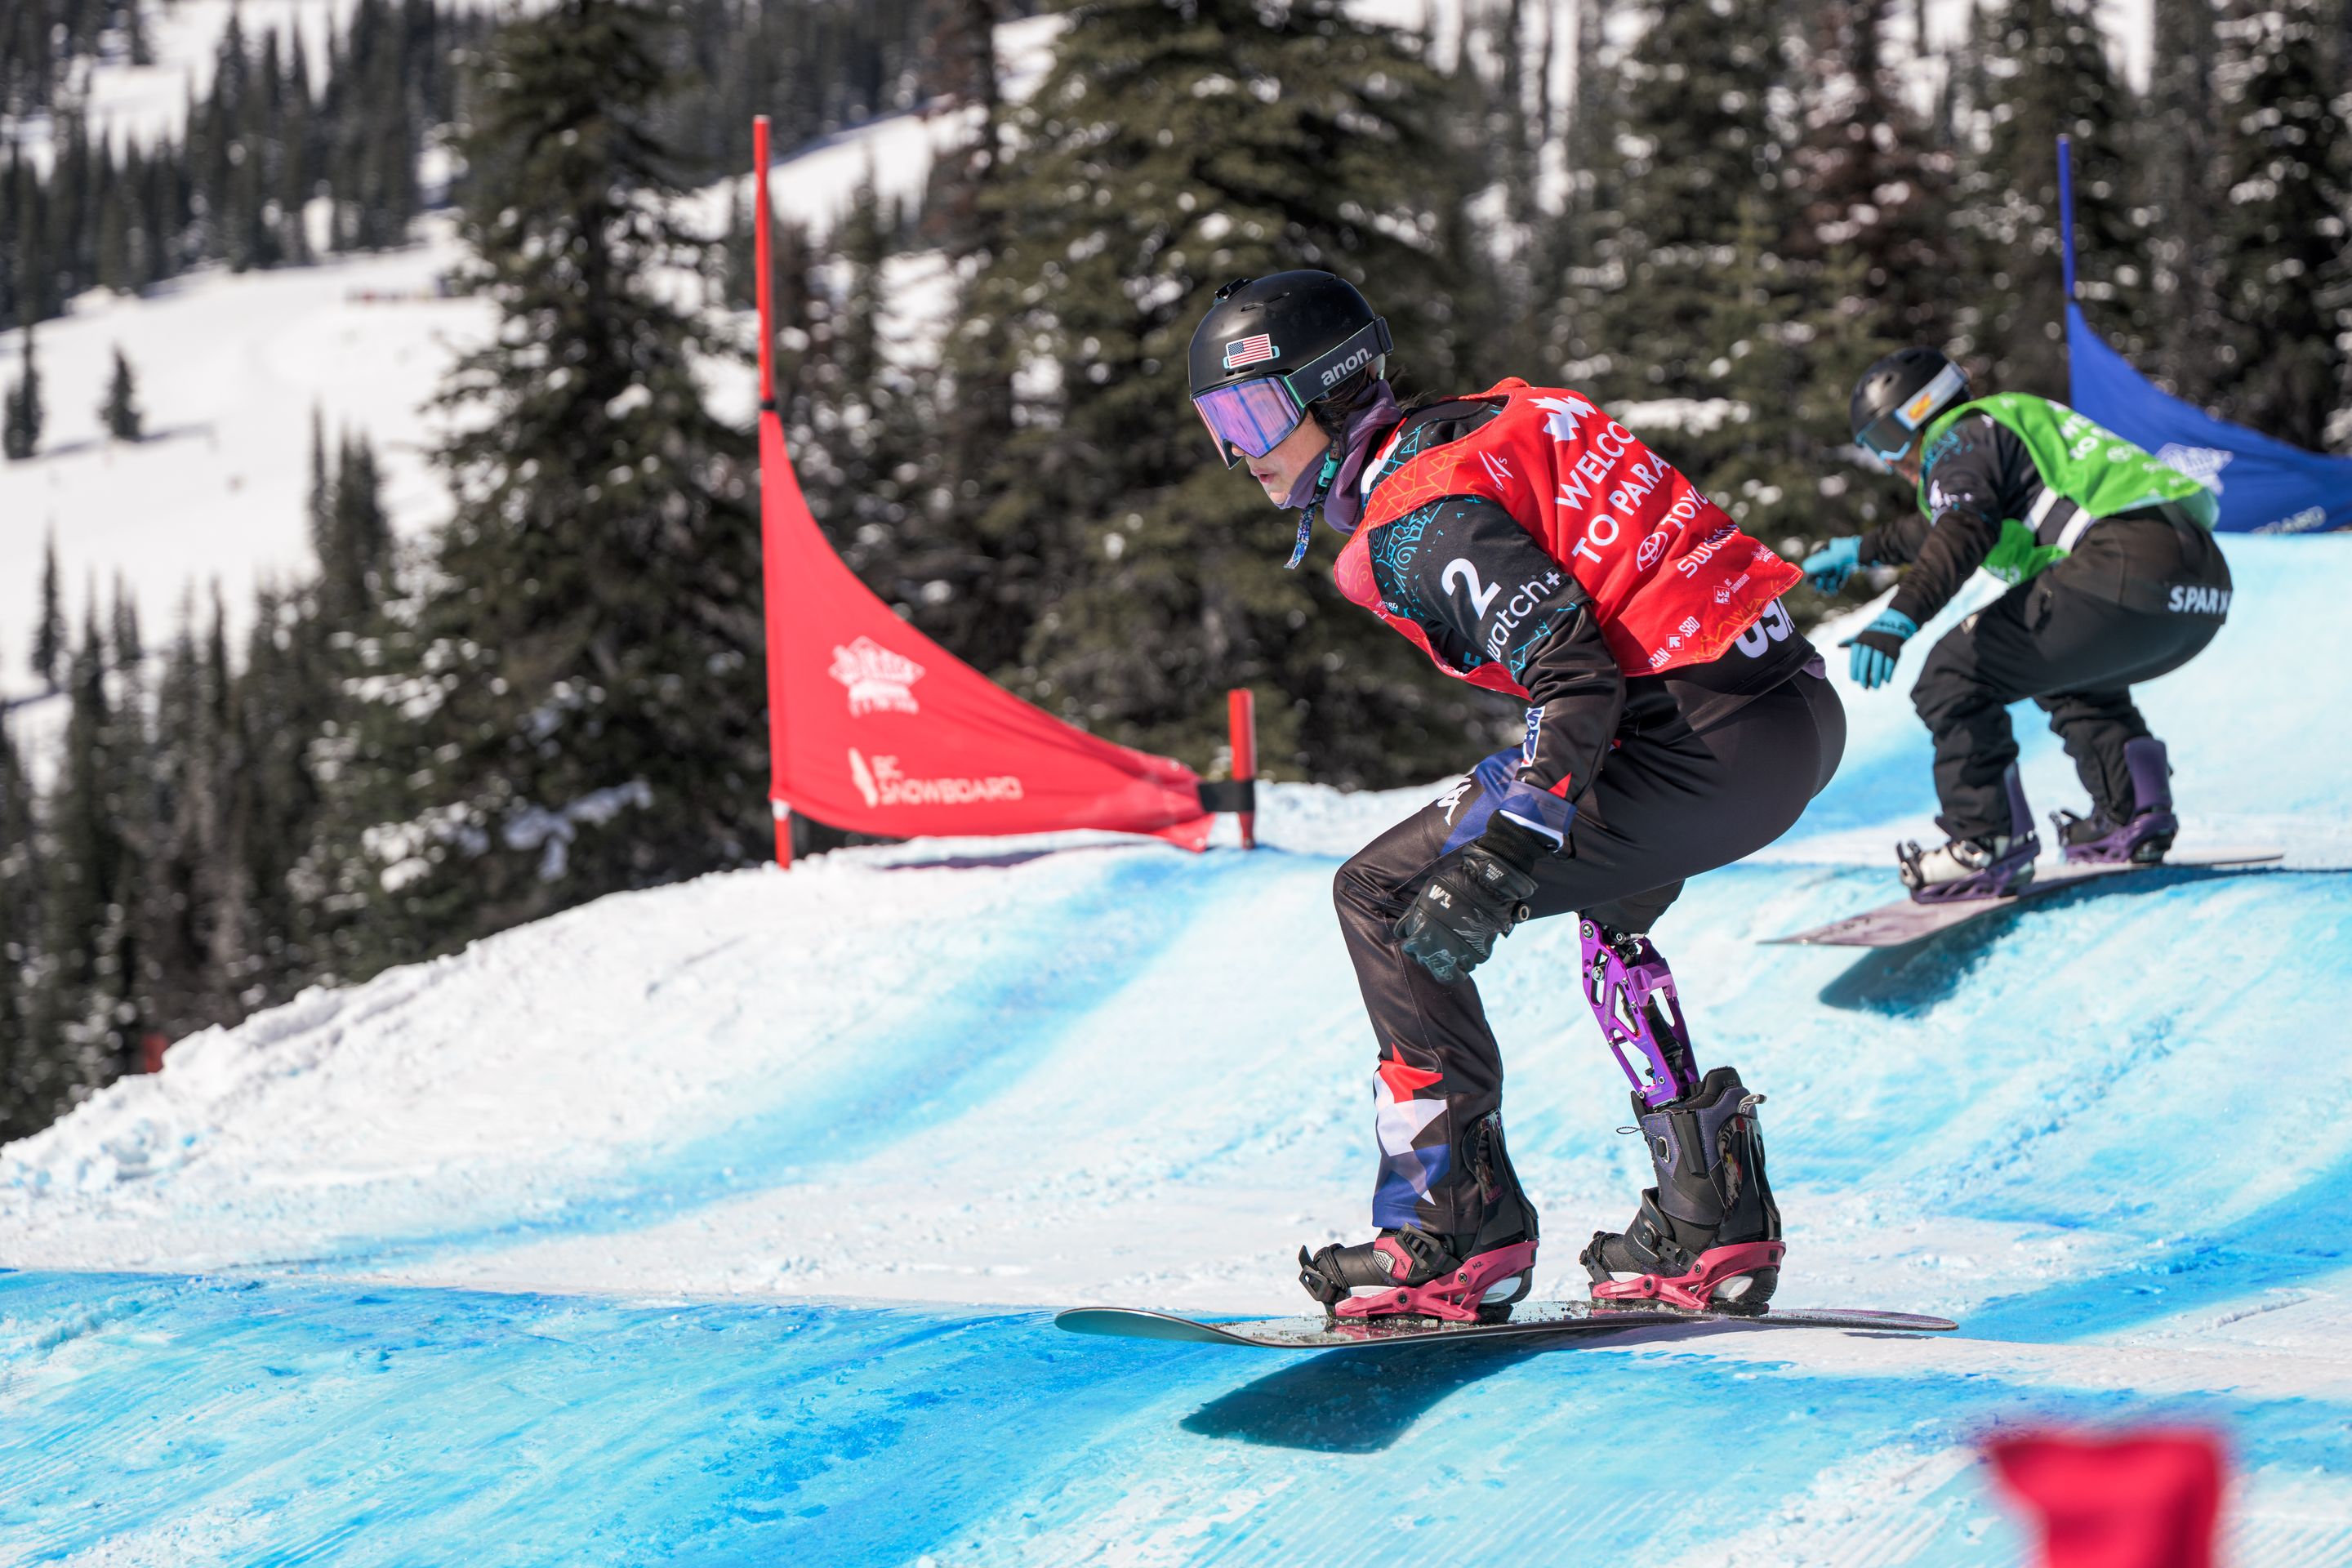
[
  {"x": 1240, "y": 711},
  {"x": 762, "y": 221}
]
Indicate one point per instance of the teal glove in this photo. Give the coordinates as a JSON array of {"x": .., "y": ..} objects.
[
  {"x": 1875, "y": 647},
  {"x": 1833, "y": 562}
]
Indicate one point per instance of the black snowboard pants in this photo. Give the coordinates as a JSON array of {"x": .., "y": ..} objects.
[
  {"x": 2141, "y": 598},
  {"x": 1669, "y": 803}
]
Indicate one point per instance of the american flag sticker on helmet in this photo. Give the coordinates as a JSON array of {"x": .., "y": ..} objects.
[{"x": 1250, "y": 351}]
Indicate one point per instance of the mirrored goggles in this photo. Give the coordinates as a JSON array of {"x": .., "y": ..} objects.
[{"x": 1250, "y": 419}]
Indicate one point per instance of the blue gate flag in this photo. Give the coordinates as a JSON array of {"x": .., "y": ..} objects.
[{"x": 2262, "y": 485}]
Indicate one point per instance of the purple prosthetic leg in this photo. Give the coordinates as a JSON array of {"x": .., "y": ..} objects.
[
  {"x": 2100, "y": 840},
  {"x": 1623, "y": 976}
]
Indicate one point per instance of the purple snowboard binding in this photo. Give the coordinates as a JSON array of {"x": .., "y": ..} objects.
[
  {"x": 1631, "y": 993},
  {"x": 1991, "y": 868},
  {"x": 2099, "y": 840}
]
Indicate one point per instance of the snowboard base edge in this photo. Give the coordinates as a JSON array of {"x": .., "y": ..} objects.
[
  {"x": 1532, "y": 1319},
  {"x": 1904, "y": 921}
]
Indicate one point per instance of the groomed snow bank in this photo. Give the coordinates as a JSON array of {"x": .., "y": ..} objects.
[{"x": 1083, "y": 1068}]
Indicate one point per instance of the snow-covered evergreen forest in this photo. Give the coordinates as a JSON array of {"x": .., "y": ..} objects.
[{"x": 1711, "y": 215}]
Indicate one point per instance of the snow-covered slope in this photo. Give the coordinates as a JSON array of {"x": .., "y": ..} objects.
[
  {"x": 146, "y": 103},
  {"x": 229, "y": 367},
  {"x": 754, "y": 1147}
]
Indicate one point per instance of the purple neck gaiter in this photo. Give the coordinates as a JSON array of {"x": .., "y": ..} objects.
[{"x": 1345, "y": 503}]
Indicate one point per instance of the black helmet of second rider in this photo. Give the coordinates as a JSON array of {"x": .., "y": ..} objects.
[
  {"x": 1273, "y": 350},
  {"x": 1899, "y": 395}
]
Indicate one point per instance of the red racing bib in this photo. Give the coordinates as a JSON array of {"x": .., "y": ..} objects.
[{"x": 1670, "y": 576}]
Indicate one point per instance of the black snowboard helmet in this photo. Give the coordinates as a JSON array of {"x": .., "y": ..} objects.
[
  {"x": 1897, "y": 396},
  {"x": 1271, "y": 348}
]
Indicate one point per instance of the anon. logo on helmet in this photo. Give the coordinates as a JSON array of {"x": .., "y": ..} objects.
[
  {"x": 1250, "y": 351},
  {"x": 1347, "y": 367}
]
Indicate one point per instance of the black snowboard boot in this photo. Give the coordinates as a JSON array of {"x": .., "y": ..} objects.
[
  {"x": 1708, "y": 1235},
  {"x": 1412, "y": 1271}
]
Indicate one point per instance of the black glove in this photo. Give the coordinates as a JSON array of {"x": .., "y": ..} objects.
[{"x": 1476, "y": 894}]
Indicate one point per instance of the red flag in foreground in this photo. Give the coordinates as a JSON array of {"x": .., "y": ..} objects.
[
  {"x": 874, "y": 728},
  {"x": 2145, "y": 1500}
]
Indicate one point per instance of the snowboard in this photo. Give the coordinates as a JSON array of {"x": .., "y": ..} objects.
[
  {"x": 1903, "y": 922},
  {"x": 1529, "y": 1319}
]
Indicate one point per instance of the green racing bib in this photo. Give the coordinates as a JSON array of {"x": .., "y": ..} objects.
[{"x": 2080, "y": 461}]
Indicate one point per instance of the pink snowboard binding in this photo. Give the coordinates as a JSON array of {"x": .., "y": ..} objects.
[
  {"x": 1456, "y": 1296},
  {"x": 1695, "y": 1291}
]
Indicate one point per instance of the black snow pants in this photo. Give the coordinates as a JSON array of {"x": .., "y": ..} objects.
[
  {"x": 1669, "y": 803},
  {"x": 2140, "y": 597}
]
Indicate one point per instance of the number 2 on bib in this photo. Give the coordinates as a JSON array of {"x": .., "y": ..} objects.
[{"x": 1477, "y": 593}]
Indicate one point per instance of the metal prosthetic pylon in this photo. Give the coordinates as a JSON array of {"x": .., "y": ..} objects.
[{"x": 1632, "y": 994}]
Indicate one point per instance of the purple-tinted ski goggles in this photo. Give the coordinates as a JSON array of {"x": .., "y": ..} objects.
[{"x": 1250, "y": 419}]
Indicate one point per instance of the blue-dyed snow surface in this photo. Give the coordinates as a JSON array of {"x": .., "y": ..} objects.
[
  {"x": 2110, "y": 1121},
  {"x": 247, "y": 1422}
]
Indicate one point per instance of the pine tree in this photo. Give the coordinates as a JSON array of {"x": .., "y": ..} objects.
[
  {"x": 82, "y": 994},
  {"x": 1865, "y": 173},
  {"x": 283, "y": 697},
  {"x": 592, "y": 628},
  {"x": 225, "y": 881},
  {"x": 1691, "y": 115},
  {"x": 973, "y": 417},
  {"x": 2286, "y": 201},
  {"x": 117, "y": 203},
  {"x": 129, "y": 646},
  {"x": 193, "y": 915},
  {"x": 869, "y": 433},
  {"x": 21, "y": 873},
  {"x": 20, "y": 424},
  {"x": 49, "y": 634},
  {"x": 1145, "y": 575},
  {"x": 171, "y": 919},
  {"x": 2046, "y": 72},
  {"x": 120, "y": 410},
  {"x": 296, "y": 176},
  {"x": 348, "y": 531},
  {"x": 2178, "y": 140}
]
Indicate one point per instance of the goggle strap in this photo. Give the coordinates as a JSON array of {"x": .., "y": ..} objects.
[{"x": 1371, "y": 340}]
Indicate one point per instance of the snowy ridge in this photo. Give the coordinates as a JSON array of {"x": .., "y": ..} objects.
[
  {"x": 1082, "y": 1068},
  {"x": 230, "y": 366}
]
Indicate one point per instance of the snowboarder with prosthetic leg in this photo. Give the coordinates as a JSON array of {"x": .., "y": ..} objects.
[
  {"x": 1533, "y": 546},
  {"x": 2116, "y": 579}
]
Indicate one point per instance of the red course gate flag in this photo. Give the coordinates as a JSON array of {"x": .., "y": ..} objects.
[
  {"x": 2146, "y": 1499},
  {"x": 874, "y": 728}
]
